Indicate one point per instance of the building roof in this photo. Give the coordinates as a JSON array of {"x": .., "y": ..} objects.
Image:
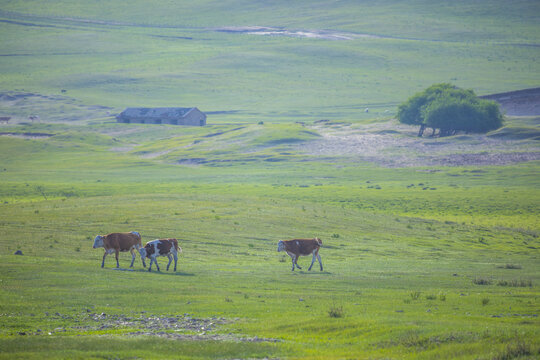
[{"x": 164, "y": 112}]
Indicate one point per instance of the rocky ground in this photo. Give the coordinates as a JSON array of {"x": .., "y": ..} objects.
[
  {"x": 391, "y": 144},
  {"x": 180, "y": 327}
]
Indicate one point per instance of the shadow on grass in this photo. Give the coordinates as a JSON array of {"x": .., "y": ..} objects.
[
  {"x": 305, "y": 272},
  {"x": 154, "y": 271},
  {"x": 168, "y": 273}
]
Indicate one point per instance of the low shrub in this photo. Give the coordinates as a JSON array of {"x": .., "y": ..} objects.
[
  {"x": 515, "y": 283},
  {"x": 482, "y": 281},
  {"x": 514, "y": 350},
  {"x": 336, "y": 311}
]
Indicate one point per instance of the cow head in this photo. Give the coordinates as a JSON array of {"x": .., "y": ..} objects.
[
  {"x": 136, "y": 233},
  {"x": 280, "y": 246},
  {"x": 319, "y": 241},
  {"x": 98, "y": 242}
]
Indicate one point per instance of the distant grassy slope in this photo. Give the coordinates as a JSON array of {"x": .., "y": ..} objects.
[
  {"x": 432, "y": 20},
  {"x": 167, "y": 54}
]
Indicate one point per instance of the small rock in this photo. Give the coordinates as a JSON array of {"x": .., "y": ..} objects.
[
  {"x": 18, "y": 252},
  {"x": 300, "y": 299},
  {"x": 22, "y": 333}
]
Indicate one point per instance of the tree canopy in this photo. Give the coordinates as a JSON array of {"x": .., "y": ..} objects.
[{"x": 450, "y": 109}]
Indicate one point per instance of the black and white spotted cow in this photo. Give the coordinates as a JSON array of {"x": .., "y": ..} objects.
[{"x": 161, "y": 247}]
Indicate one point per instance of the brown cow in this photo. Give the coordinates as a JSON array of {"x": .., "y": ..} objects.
[
  {"x": 301, "y": 247},
  {"x": 161, "y": 247},
  {"x": 119, "y": 242}
]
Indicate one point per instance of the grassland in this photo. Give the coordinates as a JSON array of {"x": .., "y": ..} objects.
[
  {"x": 402, "y": 264},
  {"x": 422, "y": 260}
]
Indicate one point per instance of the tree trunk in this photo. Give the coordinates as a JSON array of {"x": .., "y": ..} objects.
[{"x": 421, "y": 131}]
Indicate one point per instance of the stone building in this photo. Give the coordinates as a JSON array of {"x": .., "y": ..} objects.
[{"x": 166, "y": 115}]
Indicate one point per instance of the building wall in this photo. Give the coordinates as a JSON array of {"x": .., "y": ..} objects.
[{"x": 193, "y": 118}]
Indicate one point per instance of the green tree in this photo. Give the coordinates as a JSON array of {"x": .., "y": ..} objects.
[{"x": 450, "y": 109}]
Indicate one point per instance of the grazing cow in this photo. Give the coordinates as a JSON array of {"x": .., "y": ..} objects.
[
  {"x": 161, "y": 247},
  {"x": 301, "y": 247},
  {"x": 119, "y": 242},
  {"x": 5, "y": 119}
]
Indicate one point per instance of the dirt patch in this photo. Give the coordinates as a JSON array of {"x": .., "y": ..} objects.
[
  {"x": 518, "y": 103},
  {"x": 27, "y": 135},
  {"x": 178, "y": 327},
  {"x": 126, "y": 148},
  {"x": 48, "y": 108},
  {"x": 155, "y": 323},
  {"x": 392, "y": 144},
  {"x": 155, "y": 154},
  {"x": 279, "y": 31}
]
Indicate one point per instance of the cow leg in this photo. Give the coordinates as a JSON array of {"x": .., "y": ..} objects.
[
  {"x": 175, "y": 261},
  {"x": 296, "y": 261},
  {"x": 155, "y": 260},
  {"x": 142, "y": 258},
  {"x": 103, "y": 262},
  {"x": 320, "y": 262},
  {"x": 170, "y": 261},
  {"x": 151, "y": 262},
  {"x": 312, "y": 260},
  {"x": 132, "y": 251},
  {"x": 116, "y": 252},
  {"x": 292, "y": 259}
]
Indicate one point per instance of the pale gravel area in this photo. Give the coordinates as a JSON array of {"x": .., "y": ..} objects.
[
  {"x": 299, "y": 33},
  {"x": 391, "y": 144},
  {"x": 177, "y": 327}
]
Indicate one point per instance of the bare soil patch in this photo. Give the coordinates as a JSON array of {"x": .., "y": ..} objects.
[
  {"x": 518, "y": 103},
  {"x": 391, "y": 144},
  {"x": 279, "y": 31},
  {"x": 26, "y": 135},
  {"x": 178, "y": 327},
  {"x": 27, "y": 107}
]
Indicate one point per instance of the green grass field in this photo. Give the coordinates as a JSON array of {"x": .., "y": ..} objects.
[{"x": 420, "y": 262}]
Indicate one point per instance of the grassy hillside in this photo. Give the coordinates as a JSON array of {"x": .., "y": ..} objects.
[
  {"x": 431, "y": 246},
  {"x": 417, "y": 263}
]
